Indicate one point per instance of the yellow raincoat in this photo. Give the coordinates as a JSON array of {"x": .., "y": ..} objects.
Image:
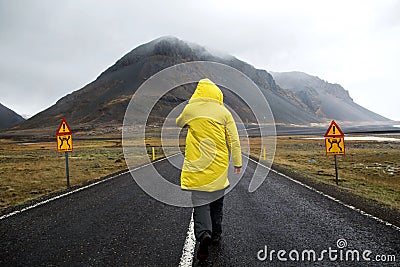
[{"x": 210, "y": 128}]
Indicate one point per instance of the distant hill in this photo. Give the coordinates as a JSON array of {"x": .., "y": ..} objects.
[
  {"x": 103, "y": 102},
  {"x": 9, "y": 118},
  {"x": 325, "y": 100}
]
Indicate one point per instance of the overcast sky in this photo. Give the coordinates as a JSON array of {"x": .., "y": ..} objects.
[{"x": 50, "y": 48}]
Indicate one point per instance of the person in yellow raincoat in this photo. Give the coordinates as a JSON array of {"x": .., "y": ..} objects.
[{"x": 211, "y": 131}]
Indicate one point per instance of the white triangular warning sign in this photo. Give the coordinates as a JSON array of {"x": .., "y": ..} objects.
[
  {"x": 64, "y": 128},
  {"x": 334, "y": 130}
]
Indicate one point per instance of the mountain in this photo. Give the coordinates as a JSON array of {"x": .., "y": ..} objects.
[
  {"x": 325, "y": 100},
  {"x": 9, "y": 118},
  {"x": 102, "y": 103}
]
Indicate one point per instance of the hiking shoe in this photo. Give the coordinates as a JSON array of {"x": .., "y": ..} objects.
[
  {"x": 205, "y": 240},
  {"x": 216, "y": 240}
]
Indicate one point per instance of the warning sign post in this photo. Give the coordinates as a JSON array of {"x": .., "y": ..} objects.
[
  {"x": 64, "y": 137},
  {"x": 64, "y": 143},
  {"x": 334, "y": 144}
]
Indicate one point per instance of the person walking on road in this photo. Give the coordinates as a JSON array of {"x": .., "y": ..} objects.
[{"x": 212, "y": 134}]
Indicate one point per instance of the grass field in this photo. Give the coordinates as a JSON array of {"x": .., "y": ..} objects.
[
  {"x": 369, "y": 169},
  {"x": 28, "y": 170}
]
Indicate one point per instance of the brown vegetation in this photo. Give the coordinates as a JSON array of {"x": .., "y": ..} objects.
[{"x": 369, "y": 169}]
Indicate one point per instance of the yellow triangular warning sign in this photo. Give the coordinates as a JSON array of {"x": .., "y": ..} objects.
[
  {"x": 334, "y": 130},
  {"x": 64, "y": 128}
]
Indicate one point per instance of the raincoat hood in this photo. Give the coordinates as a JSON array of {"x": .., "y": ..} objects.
[{"x": 206, "y": 89}]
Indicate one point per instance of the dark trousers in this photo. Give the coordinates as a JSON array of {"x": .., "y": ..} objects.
[{"x": 208, "y": 217}]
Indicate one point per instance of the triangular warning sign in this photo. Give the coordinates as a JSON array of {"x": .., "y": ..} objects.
[
  {"x": 334, "y": 130},
  {"x": 64, "y": 128}
]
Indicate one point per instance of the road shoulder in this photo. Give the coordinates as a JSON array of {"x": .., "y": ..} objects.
[{"x": 369, "y": 206}]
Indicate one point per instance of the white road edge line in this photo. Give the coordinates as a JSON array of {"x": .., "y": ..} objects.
[
  {"x": 188, "y": 247},
  {"x": 81, "y": 188},
  {"x": 330, "y": 197}
]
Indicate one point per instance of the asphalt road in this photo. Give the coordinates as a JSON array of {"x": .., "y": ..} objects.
[{"x": 116, "y": 224}]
